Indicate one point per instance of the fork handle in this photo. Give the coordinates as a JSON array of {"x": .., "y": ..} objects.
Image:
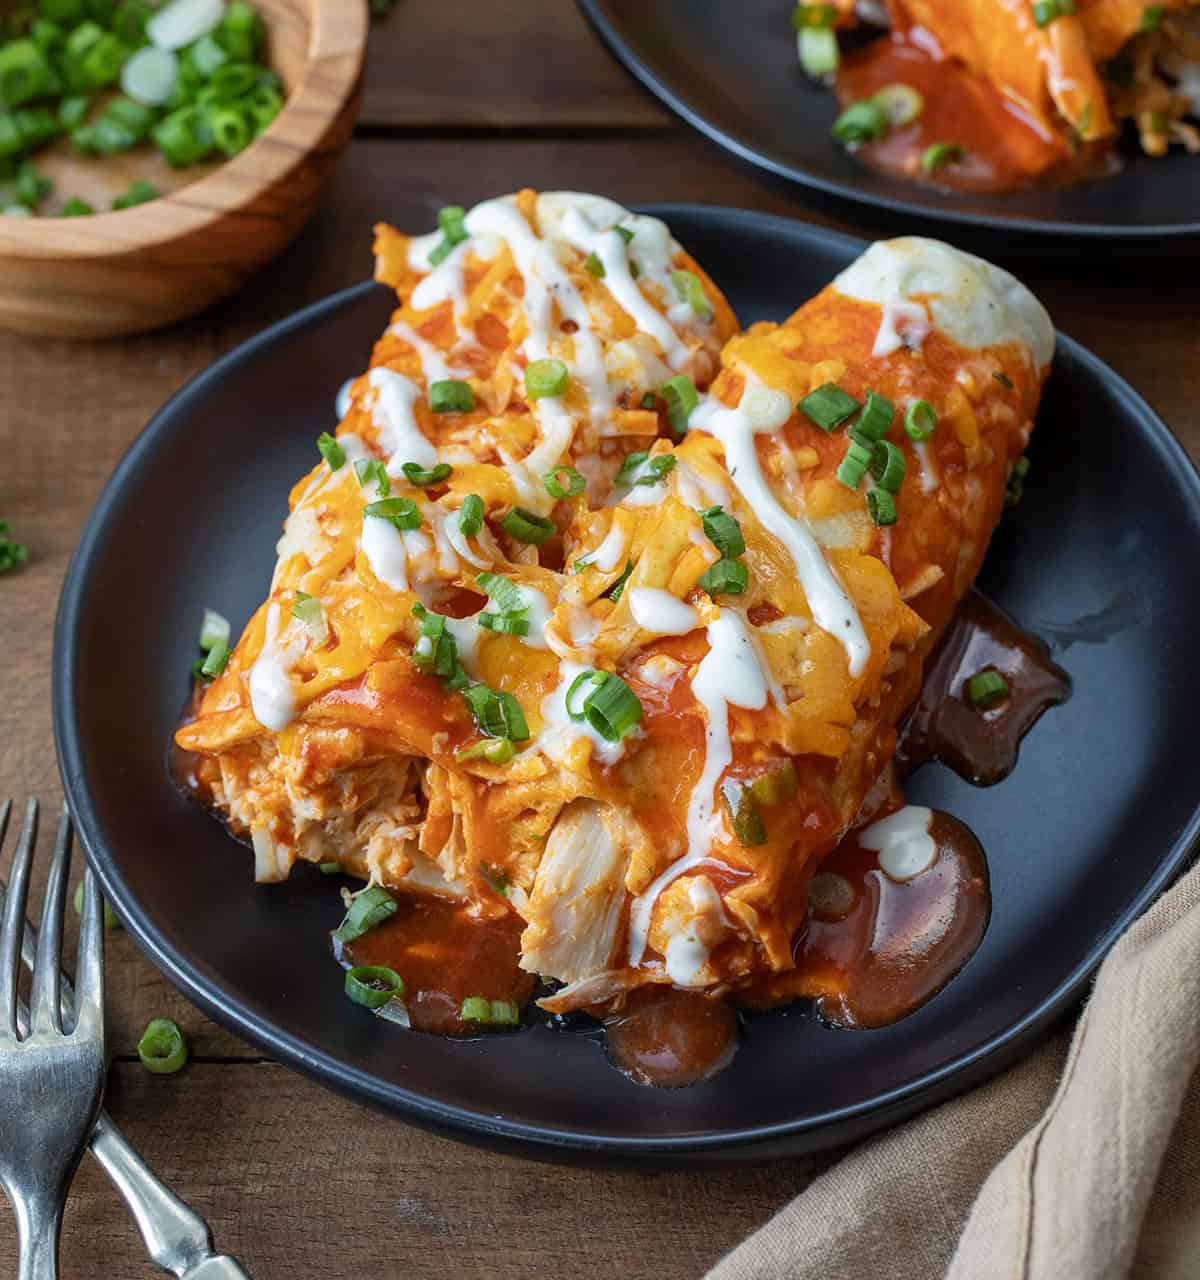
[
  {"x": 39, "y": 1220},
  {"x": 176, "y": 1236}
]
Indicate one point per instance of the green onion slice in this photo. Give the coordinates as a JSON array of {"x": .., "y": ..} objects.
[
  {"x": 887, "y": 466},
  {"x": 503, "y": 591},
  {"x": 723, "y": 531},
  {"x": 875, "y": 419},
  {"x": 612, "y": 709},
  {"x": 450, "y": 395},
  {"x": 505, "y": 624},
  {"x": 424, "y": 477},
  {"x": 817, "y": 49},
  {"x": 330, "y": 868},
  {"x": 942, "y": 153},
  {"x": 548, "y": 377},
  {"x": 476, "y": 1009},
  {"x": 373, "y": 985},
  {"x": 331, "y": 451},
  {"x": 564, "y": 482},
  {"x": 581, "y": 688},
  {"x": 689, "y": 289},
  {"x": 775, "y": 786},
  {"x": 525, "y": 526},
  {"x": 593, "y": 264},
  {"x": 215, "y": 660},
  {"x": 452, "y": 224},
  {"x": 372, "y": 471},
  {"x": 725, "y": 578},
  {"x": 370, "y": 908},
  {"x": 902, "y": 103},
  {"x": 162, "y": 1048},
  {"x": 854, "y": 465},
  {"x": 493, "y": 750},
  {"x": 881, "y": 507},
  {"x": 828, "y": 406},
  {"x": 920, "y": 419},
  {"x": 682, "y": 398},
  {"x": 309, "y": 612},
  {"x": 1152, "y": 16},
  {"x": 864, "y": 121},
  {"x": 748, "y": 825},
  {"x": 214, "y": 629},
  {"x": 505, "y": 1013},
  {"x": 470, "y": 515},
  {"x": 1046, "y": 11},
  {"x": 497, "y": 713},
  {"x": 401, "y": 513},
  {"x": 617, "y": 589},
  {"x": 987, "y": 689}
]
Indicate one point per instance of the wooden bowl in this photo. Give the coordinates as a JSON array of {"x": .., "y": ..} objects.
[{"x": 126, "y": 272}]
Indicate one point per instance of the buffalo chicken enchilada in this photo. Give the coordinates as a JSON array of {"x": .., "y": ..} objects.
[{"x": 592, "y": 627}]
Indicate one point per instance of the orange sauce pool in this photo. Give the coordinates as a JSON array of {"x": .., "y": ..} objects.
[{"x": 1004, "y": 149}]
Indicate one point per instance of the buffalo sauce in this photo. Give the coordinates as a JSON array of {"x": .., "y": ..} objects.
[
  {"x": 876, "y": 946},
  {"x": 980, "y": 746},
  {"x": 671, "y": 1038},
  {"x": 445, "y": 953},
  {"x": 1003, "y": 149}
]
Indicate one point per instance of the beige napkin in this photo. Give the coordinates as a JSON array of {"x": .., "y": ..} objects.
[{"x": 1082, "y": 1163}]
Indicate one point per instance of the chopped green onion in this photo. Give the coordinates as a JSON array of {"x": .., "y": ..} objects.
[
  {"x": 505, "y": 1013},
  {"x": 723, "y": 531},
  {"x": 46, "y": 35},
  {"x": 476, "y": 1009},
  {"x": 423, "y": 477},
  {"x": 987, "y": 689},
  {"x": 817, "y": 49},
  {"x": 230, "y": 127},
  {"x": 497, "y": 713},
  {"x": 470, "y": 515},
  {"x": 150, "y": 76},
  {"x": 861, "y": 122},
  {"x": 626, "y": 233},
  {"x": 525, "y": 526},
  {"x": 208, "y": 56},
  {"x": 401, "y": 513},
  {"x": 689, "y": 289},
  {"x": 373, "y": 985},
  {"x": 1152, "y": 16},
  {"x": 331, "y": 451},
  {"x": 452, "y": 224},
  {"x": 920, "y": 419},
  {"x": 372, "y": 471},
  {"x": 183, "y": 137},
  {"x": 31, "y": 187},
  {"x": 593, "y": 264},
  {"x": 330, "y": 868},
  {"x": 73, "y": 109},
  {"x": 941, "y": 153},
  {"x": 503, "y": 591},
  {"x": 138, "y": 192},
  {"x": 652, "y": 469},
  {"x": 493, "y": 750},
  {"x": 680, "y": 394},
  {"x": 874, "y": 421},
  {"x": 854, "y": 465},
  {"x": 129, "y": 22},
  {"x": 902, "y": 103},
  {"x": 629, "y": 464},
  {"x": 881, "y": 507},
  {"x": 162, "y": 1048},
  {"x": 776, "y": 786},
  {"x": 548, "y": 377},
  {"x": 748, "y": 825},
  {"x": 263, "y": 104},
  {"x": 12, "y": 554},
  {"x": 574, "y": 483},
  {"x": 451, "y": 396},
  {"x": 308, "y": 611},
  {"x": 887, "y": 466},
  {"x": 505, "y": 624},
  {"x": 368, "y": 909},
  {"x": 828, "y": 406},
  {"x": 214, "y": 630},
  {"x": 111, "y": 919},
  {"x": 215, "y": 660},
  {"x": 725, "y": 578},
  {"x": 1045, "y": 11},
  {"x": 1021, "y": 468},
  {"x": 1015, "y": 489},
  {"x": 807, "y": 17},
  {"x": 649, "y": 401},
  {"x": 617, "y": 589},
  {"x": 611, "y": 707},
  {"x": 581, "y": 688},
  {"x": 24, "y": 72}
]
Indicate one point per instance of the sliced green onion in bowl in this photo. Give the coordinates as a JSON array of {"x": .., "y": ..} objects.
[
  {"x": 373, "y": 985},
  {"x": 901, "y": 103},
  {"x": 162, "y": 1048},
  {"x": 150, "y": 76},
  {"x": 369, "y": 908},
  {"x": 545, "y": 378},
  {"x": 138, "y": 192},
  {"x": 182, "y": 21},
  {"x": 987, "y": 689}
]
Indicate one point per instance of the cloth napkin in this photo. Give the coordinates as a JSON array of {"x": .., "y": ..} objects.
[{"x": 1082, "y": 1163}]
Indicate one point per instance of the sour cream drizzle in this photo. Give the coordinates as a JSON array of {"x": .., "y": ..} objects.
[
  {"x": 661, "y": 613},
  {"x": 831, "y": 607},
  {"x": 271, "y": 696},
  {"x": 902, "y": 842},
  {"x": 728, "y": 675},
  {"x": 401, "y": 437}
]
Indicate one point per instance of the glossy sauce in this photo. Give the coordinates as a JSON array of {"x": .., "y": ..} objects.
[
  {"x": 671, "y": 1038},
  {"x": 980, "y": 746},
  {"x": 1005, "y": 149},
  {"x": 445, "y": 954},
  {"x": 875, "y": 948}
]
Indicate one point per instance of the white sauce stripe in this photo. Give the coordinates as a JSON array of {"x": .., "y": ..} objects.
[
  {"x": 661, "y": 613},
  {"x": 902, "y": 842},
  {"x": 402, "y": 439}
]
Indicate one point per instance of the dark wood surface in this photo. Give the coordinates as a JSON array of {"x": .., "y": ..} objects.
[{"x": 463, "y": 100}]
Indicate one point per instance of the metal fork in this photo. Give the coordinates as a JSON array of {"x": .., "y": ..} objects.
[
  {"x": 51, "y": 1079},
  {"x": 176, "y": 1237}
]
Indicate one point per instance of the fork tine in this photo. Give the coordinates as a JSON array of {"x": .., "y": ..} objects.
[
  {"x": 89, "y": 965},
  {"x": 13, "y": 924},
  {"x": 45, "y": 1003}
]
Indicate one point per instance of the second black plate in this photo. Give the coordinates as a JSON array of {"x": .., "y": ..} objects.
[
  {"x": 731, "y": 72},
  {"x": 1095, "y": 820}
]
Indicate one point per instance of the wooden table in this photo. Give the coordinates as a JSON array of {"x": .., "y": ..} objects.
[{"x": 463, "y": 100}]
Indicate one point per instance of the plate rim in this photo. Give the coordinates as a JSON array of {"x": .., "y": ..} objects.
[
  {"x": 548, "y": 1141},
  {"x": 605, "y": 26}
]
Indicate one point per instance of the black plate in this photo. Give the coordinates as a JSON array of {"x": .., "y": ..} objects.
[
  {"x": 730, "y": 71},
  {"x": 1094, "y": 822}
]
